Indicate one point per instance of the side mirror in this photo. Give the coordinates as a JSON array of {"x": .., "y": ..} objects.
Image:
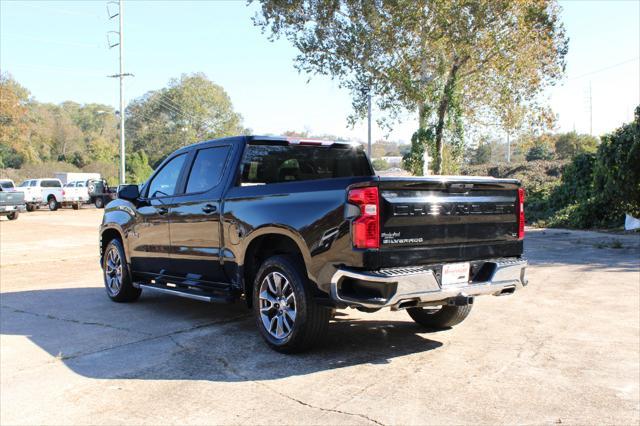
[{"x": 129, "y": 192}]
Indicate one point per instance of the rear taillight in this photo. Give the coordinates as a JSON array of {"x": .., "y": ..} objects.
[
  {"x": 365, "y": 230},
  {"x": 520, "y": 213},
  {"x": 63, "y": 192}
]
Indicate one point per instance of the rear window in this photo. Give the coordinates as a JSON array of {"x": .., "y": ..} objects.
[
  {"x": 6, "y": 185},
  {"x": 265, "y": 164},
  {"x": 50, "y": 184}
]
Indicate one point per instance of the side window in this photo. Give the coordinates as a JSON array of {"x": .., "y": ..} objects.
[
  {"x": 207, "y": 168},
  {"x": 164, "y": 183},
  {"x": 50, "y": 184},
  {"x": 34, "y": 183}
]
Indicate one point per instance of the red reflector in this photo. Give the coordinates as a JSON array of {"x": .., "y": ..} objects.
[
  {"x": 366, "y": 228},
  {"x": 520, "y": 213}
]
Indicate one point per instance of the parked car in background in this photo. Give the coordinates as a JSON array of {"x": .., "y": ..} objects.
[
  {"x": 75, "y": 194},
  {"x": 11, "y": 201},
  {"x": 42, "y": 191},
  {"x": 7, "y": 185},
  {"x": 32, "y": 194},
  {"x": 299, "y": 228},
  {"x": 100, "y": 193}
]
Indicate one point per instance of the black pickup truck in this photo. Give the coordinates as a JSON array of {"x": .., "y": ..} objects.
[{"x": 300, "y": 228}]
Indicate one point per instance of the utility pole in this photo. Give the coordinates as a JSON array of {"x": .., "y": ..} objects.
[
  {"x": 590, "y": 111},
  {"x": 121, "y": 75},
  {"x": 369, "y": 123}
]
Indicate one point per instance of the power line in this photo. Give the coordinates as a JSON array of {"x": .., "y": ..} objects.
[{"x": 605, "y": 68}]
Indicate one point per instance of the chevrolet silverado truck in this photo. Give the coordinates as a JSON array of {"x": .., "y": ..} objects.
[{"x": 299, "y": 228}]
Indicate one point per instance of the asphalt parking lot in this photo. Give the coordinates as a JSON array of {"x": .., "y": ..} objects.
[{"x": 563, "y": 350}]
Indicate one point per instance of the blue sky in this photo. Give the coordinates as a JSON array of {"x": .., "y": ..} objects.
[{"x": 58, "y": 50}]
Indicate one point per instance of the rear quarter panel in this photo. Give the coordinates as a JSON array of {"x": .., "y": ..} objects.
[{"x": 309, "y": 212}]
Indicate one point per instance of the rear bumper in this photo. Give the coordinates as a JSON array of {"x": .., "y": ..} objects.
[
  {"x": 399, "y": 288},
  {"x": 12, "y": 208}
]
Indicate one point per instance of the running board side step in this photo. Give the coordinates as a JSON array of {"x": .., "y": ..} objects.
[{"x": 189, "y": 294}]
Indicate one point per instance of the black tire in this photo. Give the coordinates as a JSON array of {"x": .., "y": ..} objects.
[
  {"x": 99, "y": 203},
  {"x": 75, "y": 206},
  {"x": 13, "y": 215},
  {"x": 30, "y": 207},
  {"x": 124, "y": 291},
  {"x": 52, "y": 203},
  {"x": 445, "y": 317},
  {"x": 311, "y": 320}
]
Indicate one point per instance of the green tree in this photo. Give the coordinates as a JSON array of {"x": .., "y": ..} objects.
[
  {"x": 14, "y": 128},
  {"x": 568, "y": 145},
  {"x": 189, "y": 110},
  {"x": 539, "y": 152},
  {"x": 138, "y": 169},
  {"x": 451, "y": 61},
  {"x": 480, "y": 155}
]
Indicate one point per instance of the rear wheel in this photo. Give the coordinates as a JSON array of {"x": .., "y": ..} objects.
[
  {"x": 12, "y": 215},
  {"x": 30, "y": 207},
  {"x": 437, "y": 317},
  {"x": 76, "y": 206},
  {"x": 286, "y": 314},
  {"x": 117, "y": 279},
  {"x": 52, "y": 203},
  {"x": 99, "y": 203}
]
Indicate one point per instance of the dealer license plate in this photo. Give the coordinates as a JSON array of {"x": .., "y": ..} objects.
[{"x": 455, "y": 273}]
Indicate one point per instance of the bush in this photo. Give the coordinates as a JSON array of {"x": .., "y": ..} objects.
[
  {"x": 539, "y": 179},
  {"x": 568, "y": 145},
  {"x": 380, "y": 164},
  {"x": 617, "y": 169},
  {"x": 539, "y": 152},
  {"x": 576, "y": 183}
]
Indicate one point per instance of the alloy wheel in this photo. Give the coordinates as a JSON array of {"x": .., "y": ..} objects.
[
  {"x": 113, "y": 271},
  {"x": 277, "y": 305}
]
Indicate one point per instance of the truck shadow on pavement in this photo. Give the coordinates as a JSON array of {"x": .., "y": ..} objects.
[{"x": 169, "y": 338}]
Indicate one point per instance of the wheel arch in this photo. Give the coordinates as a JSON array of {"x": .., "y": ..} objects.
[
  {"x": 109, "y": 233},
  {"x": 267, "y": 242}
]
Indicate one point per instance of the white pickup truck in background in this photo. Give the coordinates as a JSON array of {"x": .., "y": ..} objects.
[
  {"x": 42, "y": 191},
  {"x": 75, "y": 194}
]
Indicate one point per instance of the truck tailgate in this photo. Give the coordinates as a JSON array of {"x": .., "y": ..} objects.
[
  {"x": 11, "y": 198},
  {"x": 439, "y": 219}
]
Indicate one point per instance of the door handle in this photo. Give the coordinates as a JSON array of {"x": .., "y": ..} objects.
[
  {"x": 162, "y": 210},
  {"x": 209, "y": 208}
]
